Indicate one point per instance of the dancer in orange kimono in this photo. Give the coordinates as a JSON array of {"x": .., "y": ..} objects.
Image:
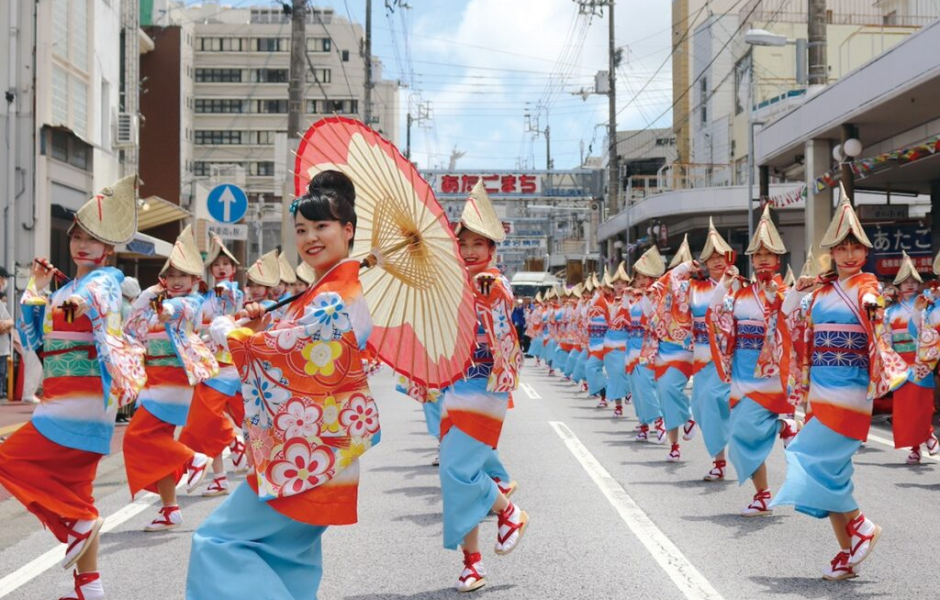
[
  {"x": 475, "y": 407},
  {"x": 912, "y": 404},
  {"x": 164, "y": 319},
  {"x": 309, "y": 417},
  {"x": 89, "y": 370},
  {"x": 217, "y": 402}
]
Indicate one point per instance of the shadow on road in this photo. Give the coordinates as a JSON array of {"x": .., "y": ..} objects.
[
  {"x": 816, "y": 587},
  {"x": 422, "y": 520},
  {"x": 743, "y": 526},
  {"x": 447, "y": 593}
]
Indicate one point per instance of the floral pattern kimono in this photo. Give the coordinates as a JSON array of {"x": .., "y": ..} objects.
[
  {"x": 477, "y": 404},
  {"x": 90, "y": 368},
  {"x": 671, "y": 323},
  {"x": 309, "y": 413},
  {"x": 176, "y": 357}
]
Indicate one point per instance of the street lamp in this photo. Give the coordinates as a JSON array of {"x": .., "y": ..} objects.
[{"x": 762, "y": 37}]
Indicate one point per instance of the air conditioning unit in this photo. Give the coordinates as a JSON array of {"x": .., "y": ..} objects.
[{"x": 125, "y": 130}]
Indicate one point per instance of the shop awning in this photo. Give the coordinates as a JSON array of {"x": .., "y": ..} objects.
[
  {"x": 156, "y": 211},
  {"x": 144, "y": 245}
]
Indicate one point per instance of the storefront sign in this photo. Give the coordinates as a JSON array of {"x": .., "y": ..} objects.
[
  {"x": 890, "y": 241},
  {"x": 496, "y": 184}
]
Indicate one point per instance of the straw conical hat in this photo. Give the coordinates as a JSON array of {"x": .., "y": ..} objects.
[
  {"x": 936, "y": 265},
  {"x": 480, "y": 217},
  {"x": 185, "y": 255},
  {"x": 714, "y": 243},
  {"x": 265, "y": 271},
  {"x": 684, "y": 254},
  {"x": 305, "y": 273},
  {"x": 766, "y": 235},
  {"x": 605, "y": 280},
  {"x": 216, "y": 247},
  {"x": 620, "y": 274},
  {"x": 651, "y": 263},
  {"x": 588, "y": 285},
  {"x": 576, "y": 291},
  {"x": 287, "y": 271},
  {"x": 111, "y": 215},
  {"x": 907, "y": 270},
  {"x": 538, "y": 297},
  {"x": 843, "y": 223},
  {"x": 790, "y": 279},
  {"x": 811, "y": 268}
]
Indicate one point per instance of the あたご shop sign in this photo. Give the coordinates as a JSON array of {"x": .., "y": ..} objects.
[{"x": 889, "y": 242}]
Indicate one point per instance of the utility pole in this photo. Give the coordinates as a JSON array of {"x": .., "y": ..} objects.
[
  {"x": 295, "y": 111},
  {"x": 424, "y": 114},
  {"x": 595, "y": 7},
  {"x": 816, "y": 20},
  {"x": 368, "y": 59},
  {"x": 12, "y": 127}
]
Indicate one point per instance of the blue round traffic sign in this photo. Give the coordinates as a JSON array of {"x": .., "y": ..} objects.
[{"x": 227, "y": 203}]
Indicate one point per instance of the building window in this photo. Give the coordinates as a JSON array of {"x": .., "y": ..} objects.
[
  {"x": 269, "y": 75},
  {"x": 318, "y": 44},
  {"x": 342, "y": 107},
  {"x": 59, "y": 145},
  {"x": 60, "y": 96},
  {"x": 60, "y": 28},
  {"x": 345, "y": 55},
  {"x": 66, "y": 147},
  {"x": 312, "y": 107},
  {"x": 261, "y": 169},
  {"x": 270, "y": 106},
  {"x": 206, "y": 105},
  {"x": 219, "y": 75},
  {"x": 201, "y": 168},
  {"x": 704, "y": 101},
  {"x": 79, "y": 105},
  {"x": 231, "y": 44},
  {"x": 271, "y": 44},
  {"x": 319, "y": 75},
  {"x": 261, "y": 138},
  {"x": 210, "y": 44},
  {"x": 218, "y": 137},
  {"x": 78, "y": 17}
]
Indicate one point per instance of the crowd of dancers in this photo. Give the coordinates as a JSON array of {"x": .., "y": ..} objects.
[
  {"x": 801, "y": 360},
  {"x": 277, "y": 374}
]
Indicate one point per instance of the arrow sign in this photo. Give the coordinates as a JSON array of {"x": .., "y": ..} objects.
[{"x": 227, "y": 203}]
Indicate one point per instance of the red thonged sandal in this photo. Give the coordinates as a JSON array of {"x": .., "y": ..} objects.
[
  {"x": 472, "y": 577},
  {"x": 864, "y": 534},
  {"x": 512, "y": 525},
  {"x": 87, "y": 587},
  {"x": 79, "y": 542}
]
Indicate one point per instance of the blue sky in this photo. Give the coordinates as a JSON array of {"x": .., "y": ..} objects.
[{"x": 481, "y": 64}]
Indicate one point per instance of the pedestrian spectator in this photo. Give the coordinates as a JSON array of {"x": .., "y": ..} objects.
[
  {"x": 6, "y": 326},
  {"x": 518, "y": 321}
]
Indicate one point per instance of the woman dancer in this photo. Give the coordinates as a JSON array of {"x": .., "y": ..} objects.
[
  {"x": 671, "y": 330},
  {"x": 89, "y": 370},
  {"x": 912, "y": 404},
  {"x": 164, "y": 319},
  {"x": 217, "y": 402},
  {"x": 752, "y": 348},
  {"x": 649, "y": 412},
  {"x": 710, "y": 395},
  {"x": 851, "y": 365},
  {"x": 615, "y": 340},
  {"x": 475, "y": 407},
  {"x": 309, "y": 417},
  {"x": 597, "y": 321}
]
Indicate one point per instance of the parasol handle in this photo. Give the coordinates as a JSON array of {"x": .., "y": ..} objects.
[{"x": 377, "y": 257}]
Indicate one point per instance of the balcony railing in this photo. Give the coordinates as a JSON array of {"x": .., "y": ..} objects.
[{"x": 845, "y": 12}]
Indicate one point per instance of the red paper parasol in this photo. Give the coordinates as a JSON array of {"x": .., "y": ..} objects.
[{"x": 422, "y": 305}]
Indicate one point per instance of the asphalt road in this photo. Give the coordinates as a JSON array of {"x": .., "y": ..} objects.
[{"x": 610, "y": 519}]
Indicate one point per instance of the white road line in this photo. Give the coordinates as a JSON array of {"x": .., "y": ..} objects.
[
  {"x": 682, "y": 573},
  {"x": 51, "y": 558},
  {"x": 530, "y": 391}
]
